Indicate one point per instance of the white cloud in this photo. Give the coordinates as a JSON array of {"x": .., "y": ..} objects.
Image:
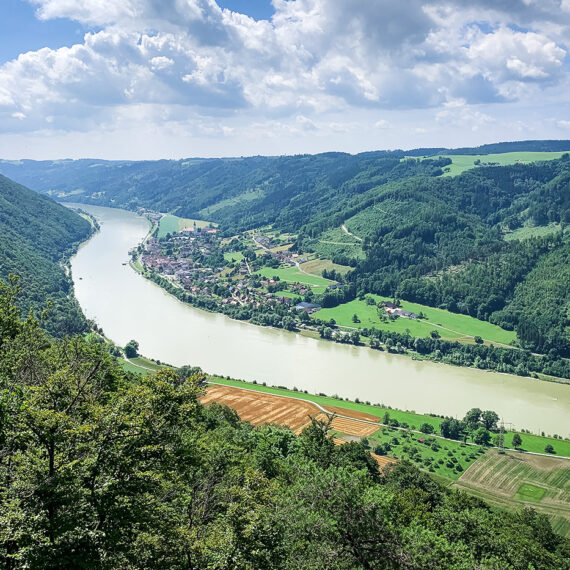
[{"x": 180, "y": 58}]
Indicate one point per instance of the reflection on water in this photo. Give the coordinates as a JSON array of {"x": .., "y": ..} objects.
[{"x": 128, "y": 306}]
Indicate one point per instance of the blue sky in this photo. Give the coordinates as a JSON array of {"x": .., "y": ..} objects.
[
  {"x": 175, "y": 78},
  {"x": 22, "y": 31}
]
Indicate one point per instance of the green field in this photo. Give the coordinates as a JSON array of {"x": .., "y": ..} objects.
[
  {"x": 170, "y": 224},
  {"x": 511, "y": 479},
  {"x": 463, "y": 162},
  {"x": 448, "y": 459},
  {"x": 536, "y": 443},
  {"x": 293, "y": 275},
  {"x": 233, "y": 256},
  {"x": 140, "y": 365},
  {"x": 316, "y": 267},
  {"x": 289, "y": 295},
  {"x": 527, "y": 232},
  {"x": 449, "y": 325},
  {"x": 528, "y": 492}
]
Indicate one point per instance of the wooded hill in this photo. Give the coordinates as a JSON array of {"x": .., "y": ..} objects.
[
  {"x": 424, "y": 237},
  {"x": 36, "y": 234},
  {"x": 102, "y": 469}
]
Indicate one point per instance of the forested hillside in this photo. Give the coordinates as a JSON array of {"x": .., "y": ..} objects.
[
  {"x": 102, "y": 469},
  {"x": 35, "y": 234},
  {"x": 456, "y": 242}
]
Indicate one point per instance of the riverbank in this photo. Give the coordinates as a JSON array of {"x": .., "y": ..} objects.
[
  {"x": 531, "y": 443},
  {"x": 128, "y": 306},
  {"x": 259, "y": 298}
]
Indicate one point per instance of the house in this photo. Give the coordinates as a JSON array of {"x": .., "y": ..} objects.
[{"x": 307, "y": 307}]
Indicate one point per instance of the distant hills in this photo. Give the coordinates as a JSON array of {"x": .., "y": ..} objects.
[
  {"x": 36, "y": 233},
  {"x": 489, "y": 242}
]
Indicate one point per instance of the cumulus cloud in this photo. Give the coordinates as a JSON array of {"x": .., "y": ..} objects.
[{"x": 314, "y": 57}]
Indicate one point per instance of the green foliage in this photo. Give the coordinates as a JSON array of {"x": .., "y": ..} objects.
[
  {"x": 36, "y": 234},
  {"x": 105, "y": 470}
]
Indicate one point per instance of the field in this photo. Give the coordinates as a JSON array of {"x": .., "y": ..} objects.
[
  {"x": 337, "y": 405},
  {"x": 170, "y": 223},
  {"x": 463, "y": 162},
  {"x": 233, "y": 256},
  {"x": 527, "y": 232},
  {"x": 512, "y": 479},
  {"x": 450, "y": 326},
  {"x": 293, "y": 275},
  {"x": 335, "y": 241},
  {"x": 317, "y": 266},
  {"x": 259, "y": 409},
  {"x": 140, "y": 365},
  {"x": 530, "y": 442},
  {"x": 536, "y": 444},
  {"x": 447, "y": 459}
]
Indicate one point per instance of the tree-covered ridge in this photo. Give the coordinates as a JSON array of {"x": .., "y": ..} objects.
[
  {"x": 419, "y": 236},
  {"x": 100, "y": 469},
  {"x": 35, "y": 235}
]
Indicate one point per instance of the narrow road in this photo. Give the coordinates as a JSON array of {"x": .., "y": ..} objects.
[{"x": 345, "y": 230}]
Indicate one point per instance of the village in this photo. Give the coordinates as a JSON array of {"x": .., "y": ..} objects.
[
  {"x": 228, "y": 271},
  {"x": 256, "y": 275}
]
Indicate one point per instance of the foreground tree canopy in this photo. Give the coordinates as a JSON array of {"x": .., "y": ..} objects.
[{"x": 102, "y": 469}]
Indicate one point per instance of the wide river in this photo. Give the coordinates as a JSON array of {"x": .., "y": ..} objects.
[{"x": 128, "y": 306}]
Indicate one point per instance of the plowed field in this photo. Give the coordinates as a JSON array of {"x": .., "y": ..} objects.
[
  {"x": 258, "y": 408},
  {"x": 382, "y": 460},
  {"x": 353, "y": 427}
]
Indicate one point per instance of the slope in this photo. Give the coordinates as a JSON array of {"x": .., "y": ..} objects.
[{"x": 36, "y": 233}]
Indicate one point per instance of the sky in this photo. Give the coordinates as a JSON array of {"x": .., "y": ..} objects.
[{"x": 150, "y": 79}]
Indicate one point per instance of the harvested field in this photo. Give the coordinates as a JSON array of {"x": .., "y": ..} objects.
[
  {"x": 353, "y": 414},
  {"x": 353, "y": 427},
  {"x": 512, "y": 479},
  {"x": 383, "y": 460},
  {"x": 258, "y": 408}
]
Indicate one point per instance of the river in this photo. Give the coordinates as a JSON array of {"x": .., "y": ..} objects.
[{"x": 128, "y": 306}]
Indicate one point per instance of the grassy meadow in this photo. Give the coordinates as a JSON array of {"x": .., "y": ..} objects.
[
  {"x": 170, "y": 224},
  {"x": 294, "y": 275},
  {"x": 463, "y": 162},
  {"x": 451, "y": 326}
]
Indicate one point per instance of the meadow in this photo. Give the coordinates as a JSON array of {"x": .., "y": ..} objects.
[
  {"x": 449, "y": 325},
  {"x": 447, "y": 459},
  {"x": 169, "y": 224},
  {"x": 463, "y": 162},
  {"x": 294, "y": 275},
  {"x": 317, "y": 266}
]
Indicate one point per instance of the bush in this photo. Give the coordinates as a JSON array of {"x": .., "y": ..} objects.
[{"x": 549, "y": 449}]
